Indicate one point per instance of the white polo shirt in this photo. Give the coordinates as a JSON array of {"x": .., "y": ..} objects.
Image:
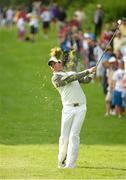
[
  {"x": 72, "y": 92},
  {"x": 117, "y": 77}
]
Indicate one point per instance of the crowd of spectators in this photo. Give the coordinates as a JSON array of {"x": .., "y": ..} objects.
[
  {"x": 38, "y": 14},
  {"x": 87, "y": 45}
]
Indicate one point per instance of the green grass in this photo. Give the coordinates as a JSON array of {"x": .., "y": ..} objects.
[{"x": 30, "y": 110}]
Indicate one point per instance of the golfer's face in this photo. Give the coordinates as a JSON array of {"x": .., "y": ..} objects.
[{"x": 58, "y": 66}]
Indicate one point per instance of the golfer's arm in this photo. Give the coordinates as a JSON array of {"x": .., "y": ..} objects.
[
  {"x": 59, "y": 80},
  {"x": 87, "y": 78}
]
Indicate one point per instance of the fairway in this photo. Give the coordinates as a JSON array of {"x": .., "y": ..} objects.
[{"x": 30, "y": 110}]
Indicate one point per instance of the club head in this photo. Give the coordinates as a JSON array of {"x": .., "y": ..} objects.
[{"x": 119, "y": 21}]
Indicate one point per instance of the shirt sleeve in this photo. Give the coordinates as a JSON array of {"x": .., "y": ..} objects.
[
  {"x": 87, "y": 79},
  {"x": 62, "y": 80}
]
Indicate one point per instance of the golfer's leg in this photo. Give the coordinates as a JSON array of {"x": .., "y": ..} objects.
[
  {"x": 74, "y": 138},
  {"x": 67, "y": 118}
]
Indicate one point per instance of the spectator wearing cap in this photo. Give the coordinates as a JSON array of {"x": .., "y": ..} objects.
[
  {"x": 118, "y": 88},
  {"x": 110, "y": 71},
  {"x": 80, "y": 16}
]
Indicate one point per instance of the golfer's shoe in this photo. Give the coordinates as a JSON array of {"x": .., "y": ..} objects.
[
  {"x": 61, "y": 165},
  {"x": 70, "y": 166}
]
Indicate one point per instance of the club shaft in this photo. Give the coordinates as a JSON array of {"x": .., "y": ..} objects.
[{"x": 107, "y": 46}]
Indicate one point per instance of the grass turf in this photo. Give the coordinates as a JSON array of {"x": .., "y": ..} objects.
[{"x": 30, "y": 110}]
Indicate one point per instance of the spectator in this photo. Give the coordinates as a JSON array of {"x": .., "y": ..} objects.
[
  {"x": 1, "y": 16},
  {"x": 98, "y": 20},
  {"x": 123, "y": 28},
  {"x": 110, "y": 71},
  {"x": 98, "y": 51},
  {"x": 61, "y": 17},
  {"x": 76, "y": 43},
  {"x": 85, "y": 50},
  {"x": 118, "y": 89},
  {"x": 124, "y": 59},
  {"x": 54, "y": 9},
  {"x": 124, "y": 93},
  {"x": 80, "y": 16},
  {"x": 91, "y": 57},
  {"x": 9, "y": 17},
  {"x": 21, "y": 28},
  {"x": 33, "y": 25},
  {"x": 105, "y": 65},
  {"x": 106, "y": 34},
  {"x": 124, "y": 86},
  {"x": 123, "y": 49},
  {"x": 46, "y": 19},
  {"x": 74, "y": 23},
  {"x": 117, "y": 42},
  {"x": 36, "y": 7}
]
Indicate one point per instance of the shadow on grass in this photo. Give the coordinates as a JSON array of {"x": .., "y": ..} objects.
[{"x": 111, "y": 168}]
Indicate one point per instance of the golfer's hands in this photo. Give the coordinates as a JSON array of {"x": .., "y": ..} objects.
[{"x": 92, "y": 70}]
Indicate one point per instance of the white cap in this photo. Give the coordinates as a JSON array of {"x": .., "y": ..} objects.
[
  {"x": 53, "y": 59},
  {"x": 119, "y": 21},
  {"x": 112, "y": 59}
]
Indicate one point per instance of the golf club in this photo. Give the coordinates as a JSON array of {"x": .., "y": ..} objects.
[{"x": 119, "y": 23}]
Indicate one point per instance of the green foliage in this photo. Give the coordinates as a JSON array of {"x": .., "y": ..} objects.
[
  {"x": 113, "y": 10},
  {"x": 15, "y": 2}
]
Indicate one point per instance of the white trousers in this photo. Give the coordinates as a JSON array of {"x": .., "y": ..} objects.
[{"x": 72, "y": 120}]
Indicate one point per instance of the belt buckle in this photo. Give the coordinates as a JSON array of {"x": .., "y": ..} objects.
[{"x": 76, "y": 104}]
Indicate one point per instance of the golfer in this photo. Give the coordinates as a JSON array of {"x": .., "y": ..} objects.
[{"x": 73, "y": 112}]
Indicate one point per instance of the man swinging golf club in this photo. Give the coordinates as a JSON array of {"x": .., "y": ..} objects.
[
  {"x": 74, "y": 106},
  {"x": 74, "y": 109}
]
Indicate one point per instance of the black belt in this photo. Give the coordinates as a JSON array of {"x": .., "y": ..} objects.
[{"x": 76, "y": 104}]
